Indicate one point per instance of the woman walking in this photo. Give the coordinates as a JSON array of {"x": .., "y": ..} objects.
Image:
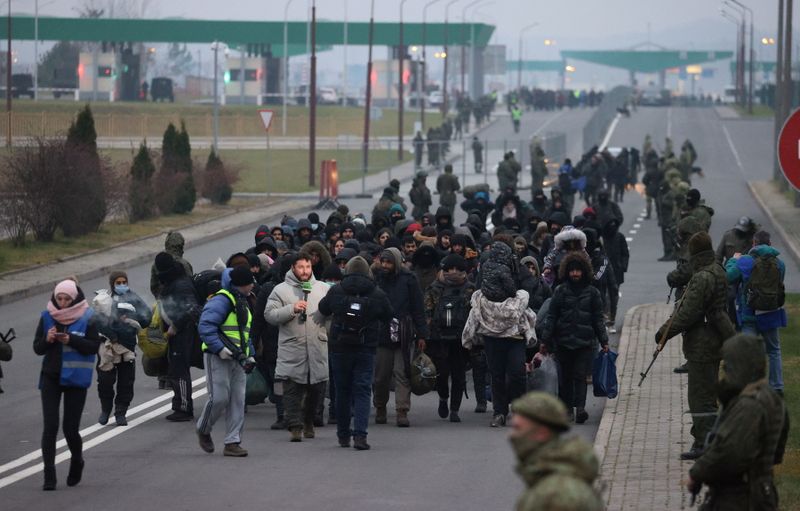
[{"x": 69, "y": 343}]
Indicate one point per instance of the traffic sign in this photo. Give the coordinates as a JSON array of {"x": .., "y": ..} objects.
[
  {"x": 266, "y": 118},
  {"x": 789, "y": 149}
]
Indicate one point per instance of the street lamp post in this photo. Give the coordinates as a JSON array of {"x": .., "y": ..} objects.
[
  {"x": 400, "y": 87},
  {"x": 215, "y": 47},
  {"x": 739, "y": 54},
  {"x": 312, "y": 98},
  {"x": 424, "y": 59},
  {"x": 285, "y": 63},
  {"x": 472, "y": 48},
  {"x": 752, "y": 55},
  {"x": 445, "y": 106},
  {"x": 344, "y": 69},
  {"x": 519, "y": 63},
  {"x": 368, "y": 100},
  {"x": 463, "y": 46}
]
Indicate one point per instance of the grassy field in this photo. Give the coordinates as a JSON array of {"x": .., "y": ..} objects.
[
  {"x": 758, "y": 111},
  {"x": 134, "y": 119},
  {"x": 788, "y": 474},
  {"x": 111, "y": 233},
  {"x": 284, "y": 170}
]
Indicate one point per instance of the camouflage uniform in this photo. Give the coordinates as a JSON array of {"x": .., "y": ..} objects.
[
  {"x": 447, "y": 185},
  {"x": 558, "y": 473},
  {"x": 704, "y": 322},
  {"x": 420, "y": 196},
  {"x": 750, "y": 436},
  {"x": 680, "y": 276},
  {"x": 702, "y": 212},
  {"x": 538, "y": 165}
]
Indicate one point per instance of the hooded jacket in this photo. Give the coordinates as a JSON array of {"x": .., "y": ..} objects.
[
  {"x": 498, "y": 275},
  {"x": 442, "y": 213},
  {"x": 173, "y": 245},
  {"x": 738, "y": 274},
  {"x": 575, "y": 315},
  {"x": 552, "y": 260},
  {"x": 316, "y": 247},
  {"x": 357, "y": 281},
  {"x": 405, "y": 295},
  {"x": 215, "y": 312},
  {"x": 302, "y": 345},
  {"x": 425, "y": 265},
  {"x": 509, "y": 319},
  {"x": 559, "y": 475},
  {"x": 616, "y": 250},
  {"x": 751, "y": 434}
]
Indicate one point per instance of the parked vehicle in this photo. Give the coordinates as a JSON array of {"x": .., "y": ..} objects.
[{"x": 161, "y": 89}]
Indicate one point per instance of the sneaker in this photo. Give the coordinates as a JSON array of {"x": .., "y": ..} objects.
[
  {"x": 612, "y": 329},
  {"x": 75, "y": 472},
  {"x": 443, "y": 410},
  {"x": 297, "y": 435},
  {"x": 454, "y": 416},
  {"x": 278, "y": 425},
  {"x": 104, "y": 416},
  {"x": 308, "y": 431},
  {"x": 682, "y": 369},
  {"x": 360, "y": 443},
  {"x": 380, "y": 415},
  {"x": 344, "y": 441},
  {"x": 692, "y": 454},
  {"x": 206, "y": 443},
  {"x": 480, "y": 407},
  {"x": 581, "y": 416},
  {"x": 234, "y": 450},
  {"x": 178, "y": 416},
  {"x": 498, "y": 421},
  {"x": 402, "y": 419}
]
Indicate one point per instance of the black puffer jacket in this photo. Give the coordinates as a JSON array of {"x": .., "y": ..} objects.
[
  {"x": 498, "y": 274},
  {"x": 405, "y": 295},
  {"x": 537, "y": 290},
  {"x": 575, "y": 314},
  {"x": 378, "y": 310}
]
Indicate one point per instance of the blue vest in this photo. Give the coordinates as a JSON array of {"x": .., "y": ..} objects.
[{"x": 76, "y": 368}]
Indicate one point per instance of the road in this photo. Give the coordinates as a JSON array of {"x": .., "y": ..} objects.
[{"x": 434, "y": 464}]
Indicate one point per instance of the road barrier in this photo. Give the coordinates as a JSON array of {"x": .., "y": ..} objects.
[
  {"x": 595, "y": 129},
  {"x": 328, "y": 185}
]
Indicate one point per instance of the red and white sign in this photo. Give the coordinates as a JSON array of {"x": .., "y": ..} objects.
[
  {"x": 789, "y": 149},
  {"x": 266, "y": 118}
]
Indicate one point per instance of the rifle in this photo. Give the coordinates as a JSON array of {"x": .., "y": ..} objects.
[{"x": 662, "y": 342}]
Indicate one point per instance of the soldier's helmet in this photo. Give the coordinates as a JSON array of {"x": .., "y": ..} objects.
[{"x": 544, "y": 408}]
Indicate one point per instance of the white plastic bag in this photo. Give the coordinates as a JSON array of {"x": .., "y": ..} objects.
[{"x": 545, "y": 377}]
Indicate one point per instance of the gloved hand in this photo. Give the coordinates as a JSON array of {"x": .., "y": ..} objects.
[
  {"x": 659, "y": 333},
  {"x": 225, "y": 354},
  {"x": 249, "y": 365}
]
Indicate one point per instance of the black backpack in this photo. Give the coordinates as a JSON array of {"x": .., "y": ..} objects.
[
  {"x": 451, "y": 313},
  {"x": 206, "y": 283},
  {"x": 764, "y": 290},
  {"x": 353, "y": 321}
]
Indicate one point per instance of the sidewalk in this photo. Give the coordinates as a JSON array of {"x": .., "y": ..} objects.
[
  {"x": 644, "y": 430},
  {"x": 23, "y": 283},
  {"x": 781, "y": 212}
]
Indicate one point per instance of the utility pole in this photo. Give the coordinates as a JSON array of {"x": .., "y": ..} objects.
[
  {"x": 8, "y": 80},
  {"x": 312, "y": 98},
  {"x": 778, "y": 97},
  {"x": 216, "y": 98},
  {"x": 464, "y": 46},
  {"x": 400, "y": 87},
  {"x": 445, "y": 95},
  {"x": 368, "y": 102},
  {"x": 423, "y": 99},
  {"x": 285, "y": 64}
]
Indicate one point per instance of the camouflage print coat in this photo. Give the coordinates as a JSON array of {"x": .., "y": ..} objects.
[
  {"x": 702, "y": 316},
  {"x": 558, "y": 475},
  {"x": 734, "y": 241},
  {"x": 680, "y": 276}
]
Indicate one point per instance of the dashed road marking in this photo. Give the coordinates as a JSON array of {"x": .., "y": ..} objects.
[
  {"x": 632, "y": 231},
  {"x": 636, "y": 226},
  {"x": 628, "y": 239}
]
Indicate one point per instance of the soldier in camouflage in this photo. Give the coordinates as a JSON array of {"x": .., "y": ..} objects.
[
  {"x": 749, "y": 437},
  {"x": 704, "y": 322},
  {"x": 558, "y": 472}
]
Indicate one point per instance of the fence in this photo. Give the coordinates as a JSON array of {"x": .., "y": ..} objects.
[{"x": 595, "y": 129}]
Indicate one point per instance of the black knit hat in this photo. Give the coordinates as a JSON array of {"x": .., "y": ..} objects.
[
  {"x": 454, "y": 261},
  {"x": 241, "y": 276},
  {"x": 164, "y": 262}
]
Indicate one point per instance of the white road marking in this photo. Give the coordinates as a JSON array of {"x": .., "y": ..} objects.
[
  {"x": 669, "y": 122},
  {"x": 733, "y": 150},
  {"x": 547, "y": 122},
  {"x": 628, "y": 239},
  {"x": 636, "y": 226},
  {"x": 33, "y": 456},
  {"x": 610, "y": 132},
  {"x": 632, "y": 231}
]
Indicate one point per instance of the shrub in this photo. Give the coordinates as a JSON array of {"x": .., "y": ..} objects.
[
  {"x": 141, "y": 199},
  {"x": 218, "y": 180}
]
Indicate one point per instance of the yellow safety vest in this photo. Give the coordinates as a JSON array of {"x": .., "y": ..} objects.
[{"x": 230, "y": 327}]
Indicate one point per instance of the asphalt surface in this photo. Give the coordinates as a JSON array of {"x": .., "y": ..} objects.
[{"x": 434, "y": 464}]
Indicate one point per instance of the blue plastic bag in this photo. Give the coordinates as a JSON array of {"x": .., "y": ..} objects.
[{"x": 604, "y": 375}]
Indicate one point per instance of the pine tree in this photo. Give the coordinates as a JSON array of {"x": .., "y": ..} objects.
[
  {"x": 169, "y": 155},
  {"x": 141, "y": 197},
  {"x": 82, "y": 132},
  {"x": 186, "y": 194},
  {"x": 216, "y": 182}
]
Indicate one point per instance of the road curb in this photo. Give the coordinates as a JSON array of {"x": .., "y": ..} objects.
[
  {"x": 601, "y": 439},
  {"x": 41, "y": 287},
  {"x": 787, "y": 240}
]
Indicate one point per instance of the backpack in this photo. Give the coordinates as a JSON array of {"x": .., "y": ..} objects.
[
  {"x": 353, "y": 321},
  {"x": 450, "y": 315},
  {"x": 764, "y": 290},
  {"x": 206, "y": 283}
]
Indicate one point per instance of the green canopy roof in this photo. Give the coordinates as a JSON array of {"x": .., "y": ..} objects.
[
  {"x": 649, "y": 61},
  {"x": 536, "y": 65}
]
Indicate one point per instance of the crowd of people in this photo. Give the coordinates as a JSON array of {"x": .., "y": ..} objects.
[{"x": 342, "y": 311}]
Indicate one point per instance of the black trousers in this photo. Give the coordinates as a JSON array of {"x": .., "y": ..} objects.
[
  {"x": 123, "y": 374},
  {"x": 300, "y": 402},
  {"x": 506, "y": 359},
  {"x": 179, "y": 356},
  {"x": 477, "y": 359},
  {"x": 74, "y": 399},
  {"x": 575, "y": 366},
  {"x": 449, "y": 357}
]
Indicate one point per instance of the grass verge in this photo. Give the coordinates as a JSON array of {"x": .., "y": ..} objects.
[
  {"x": 758, "y": 111},
  {"x": 110, "y": 233},
  {"x": 787, "y": 475}
]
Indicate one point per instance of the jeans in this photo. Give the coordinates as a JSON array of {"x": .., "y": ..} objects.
[
  {"x": 226, "y": 383},
  {"x": 123, "y": 374},
  {"x": 773, "y": 345},
  {"x": 74, "y": 399},
  {"x": 389, "y": 362},
  {"x": 506, "y": 359},
  {"x": 449, "y": 357},
  {"x": 352, "y": 373},
  {"x": 575, "y": 366}
]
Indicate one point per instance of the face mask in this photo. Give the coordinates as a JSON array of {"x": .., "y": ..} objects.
[
  {"x": 314, "y": 226},
  {"x": 523, "y": 446},
  {"x": 121, "y": 289}
]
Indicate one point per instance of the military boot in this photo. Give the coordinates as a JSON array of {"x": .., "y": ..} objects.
[
  {"x": 380, "y": 415},
  {"x": 581, "y": 416},
  {"x": 297, "y": 434},
  {"x": 308, "y": 430},
  {"x": 360, "y": 443},
  {"x": 402, "y": 419},
  {"x": 234, "y": 450}
]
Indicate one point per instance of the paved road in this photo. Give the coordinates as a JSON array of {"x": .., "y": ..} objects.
[{"x": 434, "y": 464}]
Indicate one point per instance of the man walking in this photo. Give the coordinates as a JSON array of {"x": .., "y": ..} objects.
[
  {"x": 447, "y": 185},
  {"x": 477, "y": 154},
  {"x": 359, "y": 308},
  {"x": 302, "y": 363},
  {"x": 225, "y": 331}
]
